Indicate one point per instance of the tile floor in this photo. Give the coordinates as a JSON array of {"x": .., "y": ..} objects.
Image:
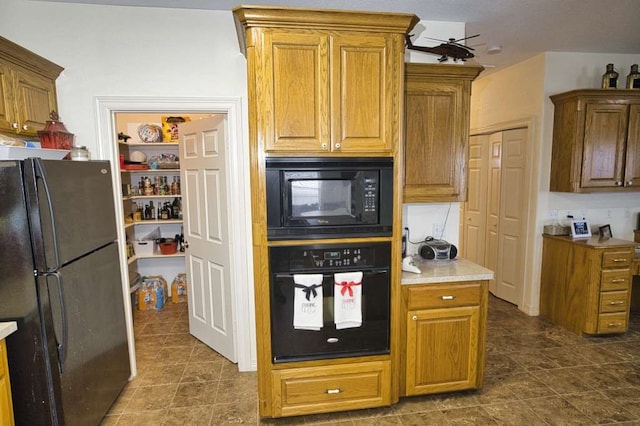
[{"x": 536, "y": 374}]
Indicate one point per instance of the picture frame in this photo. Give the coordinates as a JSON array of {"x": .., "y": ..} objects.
[
  {"x": 580, "y": 229},
  {"x": 605, "y": 231}
]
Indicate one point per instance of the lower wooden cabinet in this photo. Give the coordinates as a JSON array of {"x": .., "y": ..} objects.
[
  {"x": 445, "y": 337},
  {"x": 310, "y": 390},
  {"x": 585, "y": 285},
  {"x": 6, "y": 406}
]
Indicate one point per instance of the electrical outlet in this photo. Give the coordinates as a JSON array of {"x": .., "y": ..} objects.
[
  {"x": 437, "y": 230},
  {"x": 608, "y": 213},
  {"x": 552, "y": 214}
]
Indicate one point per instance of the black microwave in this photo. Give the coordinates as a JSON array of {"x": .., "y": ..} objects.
[{"x": 329, "y": 197}]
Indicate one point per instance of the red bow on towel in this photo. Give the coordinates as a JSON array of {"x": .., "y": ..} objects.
[{"x": 347, "y": 286}]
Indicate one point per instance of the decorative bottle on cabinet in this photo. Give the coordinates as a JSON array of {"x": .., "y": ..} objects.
[
  {"x": 610, "y": 78},
  {"x": 633, "y": 79}
]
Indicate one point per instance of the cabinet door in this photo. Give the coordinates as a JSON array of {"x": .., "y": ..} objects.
[
  {"x": 296, "y": 89},
  {"x": 604, "y": 145},
  {"x": 7, "y": 104},
  {"x": 632, "y": 167},
  {"x": 363, "y": 83},
  {"x": 442, "y": 350},
  {"x": 35, "y": 98},
  {"x": 6, "y": 406},
  {"x": 435, "y": 142}
]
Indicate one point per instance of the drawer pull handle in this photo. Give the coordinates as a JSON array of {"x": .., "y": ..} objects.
[
  {"x": 618, "y": 280},
  {"x": 333, "y": 391},
  {"x": 447, "y": 297},
  {"x": 617, "y": 302},
  {"x": 615, "y": 324},
  {"x": 415, "y": 318},
  {"x": 620, "y": 259}
]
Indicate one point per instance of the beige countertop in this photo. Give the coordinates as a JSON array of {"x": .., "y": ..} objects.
[
  {"x": 6, "y": 328},
  {"x": 445, "y": 271}
]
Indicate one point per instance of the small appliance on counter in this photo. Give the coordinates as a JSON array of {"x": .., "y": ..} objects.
[{"x": 433, "y": 249}]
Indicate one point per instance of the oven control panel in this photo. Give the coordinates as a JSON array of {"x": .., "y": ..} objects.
[{"x": 323, "y": 257}]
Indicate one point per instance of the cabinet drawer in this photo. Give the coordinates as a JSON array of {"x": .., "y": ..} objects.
[
  {"x": 617, "y": 258},
  {"x": 615, "y": 279},
  {"x": 443, "y": 295},
  {"x": 612, "y": 323},
  {"x": 332, "y": 388},
  {"x": 614, "y": 301}
]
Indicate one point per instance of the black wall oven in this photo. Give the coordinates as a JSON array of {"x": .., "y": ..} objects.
[
  {"x": 329, "y": 197},
  {"x": 324, "y": 261}
]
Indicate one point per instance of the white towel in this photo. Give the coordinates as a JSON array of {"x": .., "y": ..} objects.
[
  {"x": 347, "y": 300},
  {"x": 307, "y": 302}
]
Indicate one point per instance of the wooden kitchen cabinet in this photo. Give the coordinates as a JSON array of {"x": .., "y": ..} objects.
[
  {"x": 27, "y": 90},
  {"x": 596, "y": 145},
  {"x": 437, "y": 99},
  {"x": 6, "y": 406},
  {"x": 321, "y": 83},
  {"x": 445, "y": 336},
  {"x": 325, "y": 87},
  {"x": 585, "y": 284}
]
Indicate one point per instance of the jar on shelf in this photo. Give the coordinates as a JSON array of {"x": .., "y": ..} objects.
[
  {"x": 80, "y": 153},
  {"x": 633, "y": 79},
  {"x": 610, "y": 78}
]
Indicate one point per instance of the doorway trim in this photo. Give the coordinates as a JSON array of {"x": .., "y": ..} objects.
[
  {"x": 239, "y": 226},
  {"x": 528, "y": 302}
]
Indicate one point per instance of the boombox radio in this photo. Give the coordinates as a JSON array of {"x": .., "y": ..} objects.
[{"x": 432, "y": 249}]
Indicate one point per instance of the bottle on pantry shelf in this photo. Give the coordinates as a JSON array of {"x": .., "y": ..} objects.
[
  {"x": 137, "y": 214},
  {"x": 166, "y": 211},
  {"x": 175, "y": 187},
  {"x": 610, "y": 78},
  {"x": 148, "y": 189},
  {"x": 175, "y": 209},
  {"x": 633, "y": 79}
]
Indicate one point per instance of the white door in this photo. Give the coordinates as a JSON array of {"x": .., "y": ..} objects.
[
  {"x": 475, "y": 209},
  {"x": 492, "y": 254},
  {"x": 204, "y": 171},
  {"x": 514, "y": 196}
]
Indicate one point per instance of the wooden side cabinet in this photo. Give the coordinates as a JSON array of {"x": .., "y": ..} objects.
[
  {"x": 27, "y": 89},
  {"x": 6, "y": 406},
  {"x": 596, "y": 143},
  {"x": 437, "y": 99},
  {"x": 585, "y": 285},
  {"x": 445, "y": 337}
]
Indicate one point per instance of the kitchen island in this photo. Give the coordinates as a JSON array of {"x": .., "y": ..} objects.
[
  {"x": 6, "y": 406},
  {"x": 444, "y": 310}
]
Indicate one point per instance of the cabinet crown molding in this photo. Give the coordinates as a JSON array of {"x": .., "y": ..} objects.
[
  {"x": 416, "y": 70},
  {"x": 247, "y": 17},
  {"x": 18, "y": 55}
]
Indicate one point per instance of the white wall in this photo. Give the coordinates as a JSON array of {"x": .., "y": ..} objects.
[
  {"x": 127, "y": 51},
  {"x": 521, "y": 92}
]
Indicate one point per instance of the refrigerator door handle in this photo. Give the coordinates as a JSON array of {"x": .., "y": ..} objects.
[
  {"x": 61, "y": 346},
  {"x": 40, "y": 174}
]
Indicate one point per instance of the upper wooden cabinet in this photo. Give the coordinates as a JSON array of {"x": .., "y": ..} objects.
[
  {"x": 27, "y": 89},
  {"x": 437, "y": 99},
  {"x": 595, "y": 141},
  {"x": 324, "y": 81}
]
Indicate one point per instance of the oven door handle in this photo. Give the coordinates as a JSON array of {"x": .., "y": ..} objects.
[{"x": 330, "y": 276}]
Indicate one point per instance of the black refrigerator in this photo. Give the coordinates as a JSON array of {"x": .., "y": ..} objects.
[{"x": 60, "y": 281}]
